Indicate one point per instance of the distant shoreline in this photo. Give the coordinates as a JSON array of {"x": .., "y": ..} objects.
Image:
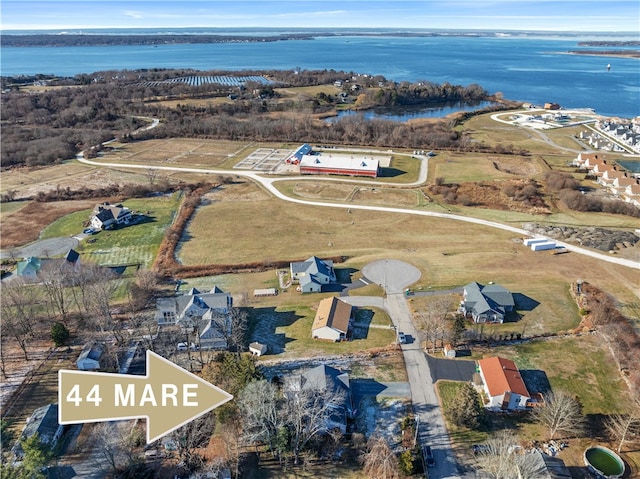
[
  {"x": 608, "y": 53},
  {"x": 158, "y": 39}
]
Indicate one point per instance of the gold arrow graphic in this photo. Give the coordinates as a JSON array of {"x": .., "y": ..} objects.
[{"x": 168, "y": 397}]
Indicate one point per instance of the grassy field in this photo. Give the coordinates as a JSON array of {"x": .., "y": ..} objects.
[
  {"x": 12, "y": 207},
  {"x": 123, "y": 245},
  {"x": 250, "y": 226},
  {"x": 581, "y": 365}
]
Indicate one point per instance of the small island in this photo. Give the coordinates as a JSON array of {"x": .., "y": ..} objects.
[
  {"x": 622, "y": 48},
  {"x": 608, "y": 53}
]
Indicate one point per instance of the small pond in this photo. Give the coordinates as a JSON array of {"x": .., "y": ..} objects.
[{"x": 439, "y": 110}]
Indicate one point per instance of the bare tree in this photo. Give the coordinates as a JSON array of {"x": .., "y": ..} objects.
[
  {"x": 498, "y": 459},
  {"x": 18, "y": 311},
  {"x": 260, "y": 405},
  {"x": 55, "y": 281},
  {"x": 100, "y": 291},
  {"x": 433, "y": 321},
  {"x": 238, "y": 329},
  {"x": 561, "y": 414},
  {"x": 378, "y": 459},
  {"x": 308, "y": 410},
  {"x": 191, "y": 438},
  {"x": 624, "y": 427},
  {"x": 112, "y": 441},
  {"x": 152, "y": 174}
]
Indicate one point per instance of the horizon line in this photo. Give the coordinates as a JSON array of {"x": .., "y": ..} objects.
[{"x": 318, "y": 28}]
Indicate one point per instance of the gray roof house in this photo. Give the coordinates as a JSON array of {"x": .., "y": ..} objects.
[
  {"x": 312, "y": 274},
  {"x": 89, "y": 358},
  {"x": 208, "y": 313},
  {"x": 105, "y": 215},
  {"x": 550, "y": 467},
  {"x": 326, "y": 378},
  {"x": 30, "y": 267},
  {"x": 486, "y": 304},
  {"x": 44, "y": 422}
]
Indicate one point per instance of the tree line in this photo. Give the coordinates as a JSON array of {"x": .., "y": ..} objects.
[{"x": 41, "y": 128}]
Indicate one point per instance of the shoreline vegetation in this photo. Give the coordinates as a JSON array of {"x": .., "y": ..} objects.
[{"x": 157, "y": 39}]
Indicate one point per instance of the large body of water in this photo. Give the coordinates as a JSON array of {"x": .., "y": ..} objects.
[{"x": 528, "y": 68}]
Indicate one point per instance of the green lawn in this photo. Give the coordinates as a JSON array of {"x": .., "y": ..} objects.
[
  {"x": 461, "y": 436},
  {"x": 12, "y": 206},
  {"x": 579, "y": 365},
  {"x": 292, "y": 326},
  {"x": 132, "y": 244}
]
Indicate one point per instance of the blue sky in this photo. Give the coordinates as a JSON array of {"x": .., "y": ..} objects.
[{"x": 551, "y": 15}]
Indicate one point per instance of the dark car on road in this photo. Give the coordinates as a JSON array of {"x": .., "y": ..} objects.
[{"x": 427, "y": 453}]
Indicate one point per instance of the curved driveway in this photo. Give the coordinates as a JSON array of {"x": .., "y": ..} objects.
[{"x": 268, "y": 183}]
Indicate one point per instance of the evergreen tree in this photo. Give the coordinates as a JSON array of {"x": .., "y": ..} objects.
[
  {"x": 466, "y": 409},
  {"x": 59, "y": 334},
  {"x": 36, "y": 456}
]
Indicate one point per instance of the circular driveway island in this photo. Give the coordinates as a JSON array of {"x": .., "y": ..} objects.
[{"x": 393, "y": 275}]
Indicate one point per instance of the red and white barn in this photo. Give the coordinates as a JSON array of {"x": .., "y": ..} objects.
[{"x": 336, "y": 164}]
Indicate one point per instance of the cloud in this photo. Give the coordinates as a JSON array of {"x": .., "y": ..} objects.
[{"x": 133, "y": 14}]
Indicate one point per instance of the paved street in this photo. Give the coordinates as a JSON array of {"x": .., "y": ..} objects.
[{"x": 396, "y": 276}]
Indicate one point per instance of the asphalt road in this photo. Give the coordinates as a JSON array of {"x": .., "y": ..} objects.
[
  {"x": 268, "y": 183},
  {"x": 396, "y": 276}
]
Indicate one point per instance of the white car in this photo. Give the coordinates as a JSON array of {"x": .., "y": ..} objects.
[
  {"x": 185, "y": 346},
  {"x": 402, "y": 339}
]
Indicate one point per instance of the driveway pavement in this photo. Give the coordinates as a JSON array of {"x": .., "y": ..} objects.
[
  {"x": 362, "y": 388},
  {"x": 451, "y": 369},
  {"x": 42, "y": 249}
]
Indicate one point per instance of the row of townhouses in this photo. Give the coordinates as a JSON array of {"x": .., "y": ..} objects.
[{"x": 608, "y": 175}]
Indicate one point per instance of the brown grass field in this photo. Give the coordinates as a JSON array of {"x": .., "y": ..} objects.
[
  {"x": 449, "y": 253},
  {"x": 241, "y": 223}
]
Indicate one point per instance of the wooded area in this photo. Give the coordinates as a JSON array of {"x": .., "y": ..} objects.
[{"x": 72, "y": 114}]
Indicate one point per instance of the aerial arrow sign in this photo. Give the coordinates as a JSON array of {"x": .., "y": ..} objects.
[{"x": 168, "y": 397}]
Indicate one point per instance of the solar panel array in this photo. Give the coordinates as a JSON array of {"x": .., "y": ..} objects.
[{"x": 228, "y": 81}]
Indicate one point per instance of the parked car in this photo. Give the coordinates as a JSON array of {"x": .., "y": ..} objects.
[
  {"x": 402, "y": 339},
  {"x": 185, "y": 346},
  {"x": 427, "y": 453},
  {"x": 89, "y": 231}
]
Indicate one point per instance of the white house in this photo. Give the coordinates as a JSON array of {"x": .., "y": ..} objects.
[
  {"x": 105, "y": 215},
  {"x": 258, "y": 349},
  {"x": 332, "y": 320},
  {"x": 503, "y": 384},
  {"x": 312, "y": 274}
]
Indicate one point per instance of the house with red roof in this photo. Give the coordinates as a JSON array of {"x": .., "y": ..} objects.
[{"x": 502, "y": 383}]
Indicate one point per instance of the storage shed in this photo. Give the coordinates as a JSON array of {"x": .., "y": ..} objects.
[
  {"x": 258, "y": 349},
  {"x": 546, "y": 245}
]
